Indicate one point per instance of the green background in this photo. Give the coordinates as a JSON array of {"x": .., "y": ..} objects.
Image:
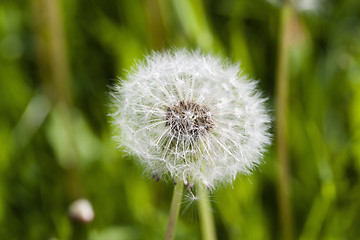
[{"x": 58, "y": 59}]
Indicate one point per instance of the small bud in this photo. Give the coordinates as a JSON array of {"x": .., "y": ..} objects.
[{"x": 81, "y": 210}]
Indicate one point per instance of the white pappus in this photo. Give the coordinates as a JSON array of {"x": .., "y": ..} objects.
[{"x": 192, "y": 117}]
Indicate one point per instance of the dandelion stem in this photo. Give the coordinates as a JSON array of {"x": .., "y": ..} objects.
[
  {"x": 206, "y": 217},
  {"x": 174, "y": 210}
]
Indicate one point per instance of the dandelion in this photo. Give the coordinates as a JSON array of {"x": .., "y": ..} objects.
[
  {"x": 302, "y": 6},
  {"x": 81, "y": 210},
  {"x": 191, "y": 117}
]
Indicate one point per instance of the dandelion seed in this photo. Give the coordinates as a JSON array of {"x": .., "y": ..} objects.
[
  {"x": 191, "y": 117},
  {"x": 189, "y": 199}
]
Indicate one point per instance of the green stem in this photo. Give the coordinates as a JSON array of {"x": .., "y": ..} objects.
[
  {"x": 174, "y": 210},
  {"x": 282, "y": 91},
  {"x": 206, "y": 217}
]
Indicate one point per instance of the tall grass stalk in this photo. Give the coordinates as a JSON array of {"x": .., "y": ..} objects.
[{"x": 282, "y": 124}]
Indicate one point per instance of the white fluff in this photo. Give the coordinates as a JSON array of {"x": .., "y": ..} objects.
[{"x": 239, "y": 128}]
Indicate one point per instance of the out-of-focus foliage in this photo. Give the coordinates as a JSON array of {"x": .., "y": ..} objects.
[{"x": 57, "y": 59}]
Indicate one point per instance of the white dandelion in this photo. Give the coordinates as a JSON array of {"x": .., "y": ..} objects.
[
  {"x": 304, "y": 6},
  {"x": 81, "y": 210},
  {"x": 192, "y": 117}
]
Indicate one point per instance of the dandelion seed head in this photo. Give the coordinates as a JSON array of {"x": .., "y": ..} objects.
[
  {"x": 81, "y": 210},
  {"x": 305, "y": 6},
  {"x": 191, "y": 117}
]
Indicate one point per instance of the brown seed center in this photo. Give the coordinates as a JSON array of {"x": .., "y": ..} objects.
[{"x": 188, "y": 119}]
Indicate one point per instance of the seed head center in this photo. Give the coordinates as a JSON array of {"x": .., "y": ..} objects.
[{"x": 189, "y": 119}]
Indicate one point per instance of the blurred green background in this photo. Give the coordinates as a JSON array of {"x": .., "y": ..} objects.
[{"x": 58, "y": 58}]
